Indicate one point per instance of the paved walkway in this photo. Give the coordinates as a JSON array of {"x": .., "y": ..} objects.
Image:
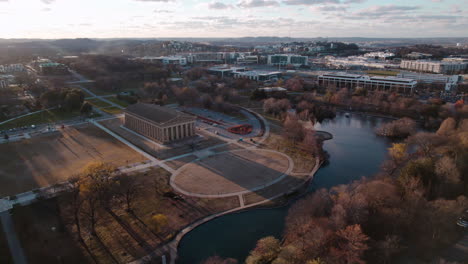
[
  {"x": 263, "y": 186},
  {"x": 84, "y": 80},
  {"x": 28, "y": 114},
  {"x": 154, "y": 161},
  {"x": 13, "y": 242},
  {"x": 172, "y": 246}
]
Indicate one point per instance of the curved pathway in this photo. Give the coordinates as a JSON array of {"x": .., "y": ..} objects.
[
  {"x": 171, "y": 247},
  {"x": 194, "y": 194}
]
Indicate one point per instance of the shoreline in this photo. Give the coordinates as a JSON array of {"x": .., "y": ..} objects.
[{"x": 172, "y": 246}]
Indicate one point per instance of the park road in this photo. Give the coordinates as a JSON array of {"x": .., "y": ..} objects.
[{"x": 15, "y": 247}]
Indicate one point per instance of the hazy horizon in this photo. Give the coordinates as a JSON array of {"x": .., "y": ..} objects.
[{"x": 54, "y": 19}]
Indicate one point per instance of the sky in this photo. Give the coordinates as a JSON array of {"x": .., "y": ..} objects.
[{"x": 232, "y": 18}]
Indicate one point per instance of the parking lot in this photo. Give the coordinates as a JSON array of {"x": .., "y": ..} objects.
[{"x": 218, "y": 123}]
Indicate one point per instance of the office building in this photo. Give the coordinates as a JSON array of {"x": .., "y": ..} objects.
[
  {"x": 443, "y": 67},
  {"x": 287, "y": 59},
  {"x": 351, "y": 81},
  {"x": 173, "y": 60},
  {"x": 450, "y": 82},
  {"x": 259, "y": 76}
]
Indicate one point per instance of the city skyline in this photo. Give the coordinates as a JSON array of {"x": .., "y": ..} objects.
[{"x": 235, "y": 18}]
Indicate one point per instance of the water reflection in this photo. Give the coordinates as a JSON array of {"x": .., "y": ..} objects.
[{"x": 355, "y": 152}]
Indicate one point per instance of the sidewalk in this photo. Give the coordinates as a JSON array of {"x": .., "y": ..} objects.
[{"x": 13, "y": 242}]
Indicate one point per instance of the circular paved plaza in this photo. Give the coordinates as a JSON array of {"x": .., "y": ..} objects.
[{"x": 231, "y": 173}]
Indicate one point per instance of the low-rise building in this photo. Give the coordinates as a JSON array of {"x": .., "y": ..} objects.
[
  {"x": 450, "y": 82},
  {"x": 248, "y": 59},
  {"x": 379, "y": 55},
  {"x": 418, "y": 55},
  {"x": 359, "y": 62},
  {"x": 225, "y": 70},
  {"x": 259, "y": 76},
  {"x": 173, "y": 60},
  {"x": 351, "y": 81},
  {"x": 287, "y": 59},
  {"x": 272, "y": 89},
  {"x": 6, "y": 80},
  {"x": 11, "y": 68},
  {"x": 52, "y": 68},
  {"x": 444, "y": 67},
  {"x": 159, "y": 123}
]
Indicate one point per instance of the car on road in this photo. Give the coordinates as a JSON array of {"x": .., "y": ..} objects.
[{"x": 463, "y": 220}]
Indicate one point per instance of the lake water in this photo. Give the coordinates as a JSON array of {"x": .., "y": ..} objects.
[{"x": 355, "y": 152}]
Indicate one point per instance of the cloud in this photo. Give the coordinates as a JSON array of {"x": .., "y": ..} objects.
[
  {"x": 310, "y": 2},
  {"x": 219, "y": 5},
  {"x": 329, "y": 8},
  {"x": 354, "y": 1},
  {"x": 162, "y": 11},
  {"x": 382, "y": 10},
  {"x": 156, "y": 1},
  {"x": 257, "y": 3}
]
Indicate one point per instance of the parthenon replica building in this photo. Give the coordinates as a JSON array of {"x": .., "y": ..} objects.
[{"x": 159, "y": 123}]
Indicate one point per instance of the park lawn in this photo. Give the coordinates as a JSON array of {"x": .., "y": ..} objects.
[
  {"x": 112, "y": 110},
  {"x": 34, "y": 226},
  {"x": 54, "y": 157},
  {"x": 93, "y": 89},
  {"x": 133, "y": 86},
  {"x": 382, "y": 73},
  {"x": 5, "y": 256},
  {"x": 96, "y": 102},
  {"x": 148, "y": 201},
  {"x": 117, "y": 101},
  {"x": 48, "y": 116}
]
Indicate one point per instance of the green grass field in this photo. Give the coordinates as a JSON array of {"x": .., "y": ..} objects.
[
  {"x": 117, "y": 101},
  {"x": 98, "y": 103},
  {"x": 49, "y": 116},
  {"x": 112, "y": 110},
  {"x": 383, "y": 73}
]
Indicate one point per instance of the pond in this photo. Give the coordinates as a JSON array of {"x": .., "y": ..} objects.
[{"x": 355, "y": 152}]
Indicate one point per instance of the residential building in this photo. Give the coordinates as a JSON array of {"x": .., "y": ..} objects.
[
  {"x": 444, "y": 67},
  {"x": 287, "y": 59},
  {"x": 351, "y": 81},
  {"x": 159, "y": 123}
]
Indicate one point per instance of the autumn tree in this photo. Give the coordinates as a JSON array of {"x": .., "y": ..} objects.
[
  {"x": 127, "y": 189},
  {"x": 292, "y": 129},
  {"x": 97, "y": 189},
  {"x": 159, "y": 221},
  {"x": 351, "y": 245},
  {"x": 400, "y": 128},
  {"x": 219, "y": 260},
  {"x": 266, "y": 250}
]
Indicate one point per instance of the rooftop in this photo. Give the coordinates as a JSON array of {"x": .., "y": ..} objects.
[{"x": 158, "y": 114}]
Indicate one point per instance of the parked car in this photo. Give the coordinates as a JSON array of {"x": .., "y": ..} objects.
[{"x": 463, "y": 220}]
